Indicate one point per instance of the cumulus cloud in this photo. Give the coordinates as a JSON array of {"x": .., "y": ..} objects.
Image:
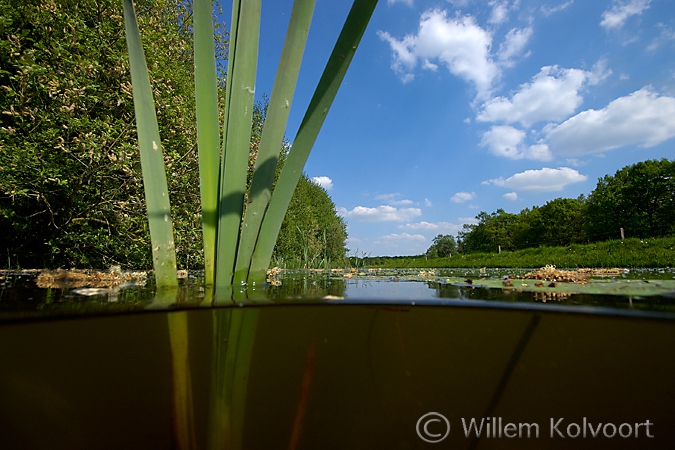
[
  {"x": 462, "y": 197},
  {"x": 437, "y": 227},
  {"x": 513, "y": 45},
  {"x": 405, "y": 2},
  {"x": 403, "y": 237},
  {"x": 383, "y": 213},
  {"x": 507, "y": 141},
  {"x": 642, "y": 118},
  {"x": 458, "y": 43},
  {"x": 553, "y": 94},
  {"x": 545, "y": 179},
  {"x": 428, "y": 203},
  {"x": 512, "y": 196},
  {"x": 549, "y": 10},
  {"x": 617, "y": 15},
  {"x": 500, "y": 11},
  {"x": 324, "y": 182},
  {"x": 391, "y": 199}
]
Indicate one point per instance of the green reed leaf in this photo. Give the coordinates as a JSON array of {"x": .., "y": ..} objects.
[
  {"x": 241, "y": 84},
  {"x": 273, "y": 132},
  {"x": 330, "y": 81},
  {"x": 152, "y": 162},
  {"x": 208, "y": 129}
]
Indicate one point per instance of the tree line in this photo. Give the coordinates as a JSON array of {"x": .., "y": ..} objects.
[
  {"x": 71, "y": 189},
  {"x": 637, "y": 201}
]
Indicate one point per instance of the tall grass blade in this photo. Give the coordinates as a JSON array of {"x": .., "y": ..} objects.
[
  {"x": 330, "y": 81},
  {"x": 152, "y": 162},
  {"x": 241, "y": 87},
  {"x": 208, "y": 129},
  {"x": 273, "y": 132}
]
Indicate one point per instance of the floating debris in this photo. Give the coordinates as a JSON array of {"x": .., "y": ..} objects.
[
  {"x": 272, "y": 276},
  {"x": 78, "y": 278},
  {"x": 551, "y": 273}
]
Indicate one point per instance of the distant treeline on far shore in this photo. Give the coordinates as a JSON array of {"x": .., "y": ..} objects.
[
  {"x": 627, "y": 221},
  {"x": 627, "y": 253}
]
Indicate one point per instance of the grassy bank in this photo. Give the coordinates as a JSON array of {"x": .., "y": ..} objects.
[{"x": 627, "y": 253}]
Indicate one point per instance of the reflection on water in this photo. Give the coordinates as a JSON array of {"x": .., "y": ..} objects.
[
  {"x": 332, "y": 376},
  {"x": 21, "y": 297}
]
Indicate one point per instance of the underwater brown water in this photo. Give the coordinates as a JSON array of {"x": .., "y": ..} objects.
[{"x": 334, "y": 376}]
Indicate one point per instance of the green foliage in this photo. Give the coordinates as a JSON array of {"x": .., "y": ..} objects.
[
  {"x": 443, "y": 246},
  {"x": 311, "y": 232},
  {"x": 71, "y": 191},
  {"x": 639, "y": 198},
  {"x": 630, "y": 253},
  {"x": 492, "y": 231},
  {"x": 70, "y": 172}
]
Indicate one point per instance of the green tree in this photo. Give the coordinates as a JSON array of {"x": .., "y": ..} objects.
[
  {"x": 70, "y": 182},
  {"x": 312, "y": 232},
  {"x": 639, "y": 198},
  {"x": 444, "y": 245},
  {"x": 492, "y": 232},
  {"x": 559, "y": 222},
  {"x": 70, "y": 179}
]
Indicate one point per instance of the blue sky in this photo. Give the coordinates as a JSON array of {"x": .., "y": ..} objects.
[{"x": 459, "y": 106}]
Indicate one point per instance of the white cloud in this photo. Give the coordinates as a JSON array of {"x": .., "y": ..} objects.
[
  {"x": 642, "y": 118},
  {"x": 437, "y": 227},
  {"x": 513, "y": 45},
  {"x": 621, "y": 11},
  {"x": 472, "y": 220},
  {"x": 462, "y": 197},
  {"x": 324, "y": 182},
  {"x": 545, "y": 179},
  {"x": 403, "y": 237},
  {"x": 386, "y": 197},
  {"x": 548, "y": 10},
  {"x": 512, "y": 196},
  {"x": 458, "y": 43},
  {"x": 500, "y": 11},
  {"x": 507, "y": 141},
  {"x": 553, "y": 94},
  {"x": 390, "y": 199},
  {"x": 427, "y": 202},
  {"x": 401, "y": 202},
  {"x": 459, "y": 3},
  {"x": 405, "y": 2},
  {"x": 667, "y": 35},
  {"x": 383, "y": 213}
]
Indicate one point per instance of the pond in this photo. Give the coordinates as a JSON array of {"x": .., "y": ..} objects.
[
  {"x": 25, "y": 295},
  {"x": 337, "y": 360}
]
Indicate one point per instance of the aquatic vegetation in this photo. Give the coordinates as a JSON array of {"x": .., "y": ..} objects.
[{"x": 240, "y": 222}]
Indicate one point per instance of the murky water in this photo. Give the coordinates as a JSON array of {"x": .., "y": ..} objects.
[
  {"x": 337, "y": 360},
  {"x": 338, "y": 376}
]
